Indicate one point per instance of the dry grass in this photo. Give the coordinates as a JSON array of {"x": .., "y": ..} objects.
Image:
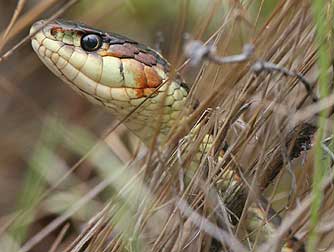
[{"x": 136, "y": 198}]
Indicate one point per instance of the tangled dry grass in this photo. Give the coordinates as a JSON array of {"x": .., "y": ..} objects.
[{"x": 264, "y": 127}]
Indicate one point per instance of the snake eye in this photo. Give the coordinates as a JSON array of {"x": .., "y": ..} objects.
[{"x": 91, "y": 42}]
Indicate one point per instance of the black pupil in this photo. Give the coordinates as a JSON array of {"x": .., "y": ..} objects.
[{"x": 91, "y": 42}]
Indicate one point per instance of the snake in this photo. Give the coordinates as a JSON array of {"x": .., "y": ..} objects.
[
  {"x": 116, "y": 72},
  {"x": 113, "y": 71}
]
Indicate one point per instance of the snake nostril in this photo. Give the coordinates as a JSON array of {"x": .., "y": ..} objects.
[{"x": 55, "y": 30}]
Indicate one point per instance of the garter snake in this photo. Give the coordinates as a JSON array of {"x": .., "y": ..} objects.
[{"x": 113, "y": 71}]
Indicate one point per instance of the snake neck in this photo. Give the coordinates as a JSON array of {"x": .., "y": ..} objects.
[{"x": 158, "y": 114}]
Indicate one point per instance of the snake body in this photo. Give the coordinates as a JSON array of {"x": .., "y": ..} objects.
[{"x": 116, "y": 72}]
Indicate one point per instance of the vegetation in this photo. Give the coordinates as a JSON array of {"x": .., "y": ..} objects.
[{"x": 74, "y": 179}]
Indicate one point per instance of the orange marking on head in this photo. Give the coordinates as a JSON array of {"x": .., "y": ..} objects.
[
  {"x": 153, "y": 78},
  {"x": 141, "y": 78},
  {"x": 138, "y": 73},
  {"x": 148, "y": 91},
  {"x": 139, "y": 92},
  {"x": 55, "y": 30},
  {"x": 104, "y": 53}
]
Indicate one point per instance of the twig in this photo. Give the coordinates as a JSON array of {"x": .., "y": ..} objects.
[
  {"x": 260, "y": 66},
  {"x": 197, "y": 51},
  {"x": 37, "y": 238},
  {"x": 28, "y": 17},
  {"x": 16, "y": 13},
  {"x": 59, "y": 238}
]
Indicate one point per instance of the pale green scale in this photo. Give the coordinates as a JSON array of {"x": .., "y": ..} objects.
[
  {"x": 184, "y": 92},
  {"x": 131, "y": 93},
  {"x": 59, "y": 36},
  {"x": 168, "y": 109},
  {"x": 129, "y": 74},
  {"x": 147, "y": 112},
  {"x": 52, "y": 44},
  {"x": 164, "y": 87},
  {"x": 174, "y": 115},
  {"x": 61, "y": 63},
  {"x": 138, "y": 101},
  {"x": 41, "y": 50},
  {"x": 76, "y": 40},
  {"x": 39, "y": 37},
  {"x": 158, "y": 98},
  {"x": 48, "y": 53},
  {"x": 178, "y": 105},
  {"x": 78, "y": 58},
  {"x": 178, "y": 95},
  {"x": 92, "y": 67},
  {"x": 160, "y": 72},
  {"x": 169, "y": 100},
  {"x": 70, "y": 71},
  {"x": 103, "y": 92},
  {"x": 85, "y": 83},
  {"x": 65, "y": 52},
  {"x": 153, "y": 106},
  {"x": 119, "y": 94},
  {"x": 111, "y": 75},
  {"x": 172, "y": 86},
  {"x": 68, "y": 38},
  {"x": 55, "y": 57}
]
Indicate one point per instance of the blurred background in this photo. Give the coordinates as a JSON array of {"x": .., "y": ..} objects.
[{"x": 45, "y": 128}]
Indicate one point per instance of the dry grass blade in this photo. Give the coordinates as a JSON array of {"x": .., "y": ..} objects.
[
  {"x": 28, "y": 18},
  {"x": 16, "y": 13},
  {"x": 61, "y": 219},
  {"x": 59, "y": 238},
  {"x": 27, "y": 38}
]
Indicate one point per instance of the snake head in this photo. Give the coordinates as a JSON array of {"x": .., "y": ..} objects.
[
  {"x": 111, "y": 70},
  {"x": 104, "y": 67}
]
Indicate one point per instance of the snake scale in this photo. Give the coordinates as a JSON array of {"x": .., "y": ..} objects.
[{"x": 113, "y": 71}]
